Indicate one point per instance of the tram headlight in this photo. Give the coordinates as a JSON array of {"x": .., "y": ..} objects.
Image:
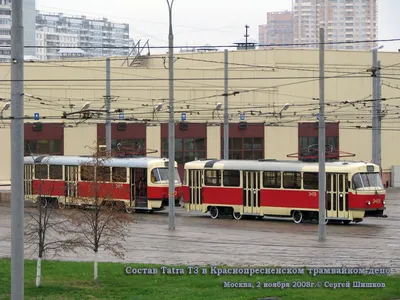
[
  {"x": 368, "y": 202},
  {"x": 384, "y": 202}
]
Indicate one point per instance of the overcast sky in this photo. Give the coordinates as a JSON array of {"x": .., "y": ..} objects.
[{"x": 200, "y": 22}]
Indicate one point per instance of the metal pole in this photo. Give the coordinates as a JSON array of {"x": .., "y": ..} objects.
[
  {"x": 374, "y": 104},
  {"x": 17, "y": 152},
  {"x": 226, "y": 123},
  {"x": 379, "y": 116},
  {"x": 246, "y": 35},
  {"x": 108, "y": 104},
  {"x": 321, "y": 137},
  {"x": 171, "y": 125}
]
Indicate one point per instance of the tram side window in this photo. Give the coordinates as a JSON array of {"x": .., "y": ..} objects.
[
  {"x": 103, "y": 174},
  {"x": 272, "y": 179},
  {"x": 87, "y": 173},
  {"x": 231, "y": 178},
  {"x": 291, "y": 180},
  {"x": 212, "y": 178},
  {"x": 55, "y": 172},
  {"x": 310, "y": 181},
  {"x": 41, "y": 171},
  {"x": 118, "y": 174}
]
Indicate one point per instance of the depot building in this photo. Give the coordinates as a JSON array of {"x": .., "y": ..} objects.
[{"x": 273, "y": 106}]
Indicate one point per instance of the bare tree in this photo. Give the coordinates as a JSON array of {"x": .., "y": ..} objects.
[
  {"x": 46, "y": 229},
  {"x": 101, "y": 225}
]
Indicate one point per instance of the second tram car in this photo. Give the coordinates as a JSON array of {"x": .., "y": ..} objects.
[
  {"x": 139, "y": 183},
  {"x": 354, "y": 190}
]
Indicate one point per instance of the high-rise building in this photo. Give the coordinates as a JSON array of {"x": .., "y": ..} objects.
[
  {"x": 278, "y": 30},
  {"x": 343, "y": 20},
  {"x": 29, "y": 12},
  {"x": 94, "y": 37}
]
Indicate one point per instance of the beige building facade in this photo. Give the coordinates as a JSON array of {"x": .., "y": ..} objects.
[{"x": 261, "y": 83}]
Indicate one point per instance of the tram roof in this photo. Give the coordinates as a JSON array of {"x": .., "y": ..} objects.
[
  {"x": 131, "y": 162},
  {"x": 271, "y": 165}
]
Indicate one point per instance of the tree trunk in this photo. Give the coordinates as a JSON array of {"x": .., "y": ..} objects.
[
  {"x": 38, "y": 271},
  {"x": 96, "y": 270}
]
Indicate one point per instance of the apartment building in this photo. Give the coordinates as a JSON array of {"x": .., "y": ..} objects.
[
  {"x": 278, "y": 30},
  {"x": 29, "y": 9},
  {"x": 343, "y": 20},
  {"x": 57, "y": 31}
]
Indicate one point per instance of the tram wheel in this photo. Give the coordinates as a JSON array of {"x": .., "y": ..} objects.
[
  {"x": 43, "y": 202},
  {"x": 347, "y": 222},
  {"x": 297, "y": 217},
  {"x": 110, "y": 206},
  {"x": 236, "y": 215},
  {"x": 61, "y": 205},
  {"x": 129, "y": 209},
  {"x": 214, "y": 212}
]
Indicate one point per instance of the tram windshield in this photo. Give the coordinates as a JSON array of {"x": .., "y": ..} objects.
[
  {"x": 367, "y": 181},
  {"x": 161, "y": 175}
]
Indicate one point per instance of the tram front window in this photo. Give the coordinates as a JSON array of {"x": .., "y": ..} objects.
[
  {"x": 160, "y": 175},
  {"x": 367, "y": 181}
]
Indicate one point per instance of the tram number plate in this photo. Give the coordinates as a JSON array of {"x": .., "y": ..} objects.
[
  {"x": 312, "y": 194},
  {"x": 376, "y": 201}
]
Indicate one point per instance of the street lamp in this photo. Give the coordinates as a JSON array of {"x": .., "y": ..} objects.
[
  {"x": 171, "y": 125},
  {"x": 6, "y": 106},
  {"x": 285, "y": 107}
]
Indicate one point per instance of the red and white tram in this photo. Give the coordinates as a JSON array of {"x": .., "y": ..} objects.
[
  {"x": 354, "y": 190},
  {"x": 130, "y": 183}
]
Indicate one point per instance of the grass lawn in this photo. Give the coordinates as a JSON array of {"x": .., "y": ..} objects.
[{"x": 73, "y": 280}]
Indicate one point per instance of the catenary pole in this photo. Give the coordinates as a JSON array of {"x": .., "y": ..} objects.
[
  {"x": 321, "y": 139},
  {"x": 171, "y": 125},
  {"x": 379, "y": 116},
  {"x": 17, "y": 152},
  {"x": 108, "y": 106},
  {"x": 374, "y": 105},
  {"x": 226, "y": 123}
]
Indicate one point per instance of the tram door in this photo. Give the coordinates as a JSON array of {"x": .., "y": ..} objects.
[
  {"x": 337, "y": 196},
  {"x": 195, "y": 182},
  {"x": 71, "y": 182},
  {"x": 139, "y": 187},
  {"x": 28, "y": 176},
  {"x": 251, "y": 192}
]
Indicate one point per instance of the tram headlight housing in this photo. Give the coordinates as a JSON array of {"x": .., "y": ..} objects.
[{"x": 368, "y": 202}]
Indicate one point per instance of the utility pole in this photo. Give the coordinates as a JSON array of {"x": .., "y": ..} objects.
[
  {"x": 246, "y": 35},
  {"x": 17, "y": 151},
  {"x": 321, "y": 139},
  {"x": 226, "y": 123},
  {"x": 171, "y": 126},
  {"x": 379, "y": 116},
  {"x": 108, "y": 107},
  {"x": 374, "y": 105}
]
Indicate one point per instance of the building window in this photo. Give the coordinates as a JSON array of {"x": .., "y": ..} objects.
[
  {"x": 130, "y": 138},
  {"x": 308, "y": 141},
  {"x": 186, "y": 149},
  {"x": 44, "y": 139},
  {"x": 244, "y": 148},
  {"x": 135, "y": 144},
  {"x": 52, "y": 147}
]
